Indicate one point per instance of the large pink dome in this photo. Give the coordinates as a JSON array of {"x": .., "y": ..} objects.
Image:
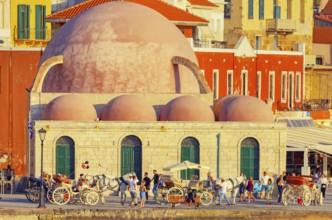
[
  {"x": 69, "y": 108},
  {"x": 245, "y": 108},
  {"x": 128, "y": 108},
  {"x": 119, "y": 47},
  {"x": 186, "y": 108}
]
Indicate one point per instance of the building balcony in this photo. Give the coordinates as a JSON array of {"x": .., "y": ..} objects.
[
  {"x": 197, "y": 43},
  {"x": 32, "y": 37},
  {"x": 283, "y": 26}
]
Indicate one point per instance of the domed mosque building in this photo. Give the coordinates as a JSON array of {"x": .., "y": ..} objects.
[{"x": 124, "y": 92}]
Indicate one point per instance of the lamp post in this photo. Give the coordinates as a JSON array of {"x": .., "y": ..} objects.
[{"x": 42, "y": 134}]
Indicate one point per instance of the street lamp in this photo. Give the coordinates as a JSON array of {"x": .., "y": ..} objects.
[{"x": 42, "y": 134}]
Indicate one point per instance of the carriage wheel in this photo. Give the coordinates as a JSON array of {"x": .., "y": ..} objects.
[
  {"x": 61, "y": 196},
  {"x": 49, "y": 196},
  {"x": 83, "y": 195},
  {"x": 206, "y": 198},
  {"x": 92, "y": 198},
  {"x": 174, "y": 191},
  {"x": 162, "y": 197},
  {"x": 34, "y": 194},
  {"x": 286, "y": 197},
  {"x": 306, "y": 197}
]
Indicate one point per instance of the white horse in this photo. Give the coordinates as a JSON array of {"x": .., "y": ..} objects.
[{"x": 233, "y": 184}]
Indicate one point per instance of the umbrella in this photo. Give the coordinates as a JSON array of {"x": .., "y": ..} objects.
[{"x": 185, "y": 165}]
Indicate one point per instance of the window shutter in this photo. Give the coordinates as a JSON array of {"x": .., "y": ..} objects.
[
  {"x": 250, "y": 9},
  {"x": 38, "y": 19},
  {"x": 276, "y": 11},
  {"x": 261, "y": 9}
]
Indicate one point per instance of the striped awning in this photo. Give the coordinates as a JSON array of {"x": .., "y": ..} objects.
[{"x": 315, "y": 139}]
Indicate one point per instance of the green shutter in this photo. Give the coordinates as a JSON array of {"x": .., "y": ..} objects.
[
  {"x": 191, "y": 154},
  {"x": 126, "y": 160},
  {"x": 21, "y": 15},
  {"x": 44, "y": 22},
  {"x": 250, "y": 161},
  {"x": 276, "y": 12},
  {"x": 250, "y": 9},
  {"x": 261, "y": 9},
  {"x": 38, "y": 20},
  {"x": 65, "y": 160},
  {"x": 27, "y": 25}
]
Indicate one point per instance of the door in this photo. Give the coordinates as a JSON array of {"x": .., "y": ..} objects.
[
  {"x": 190, "y": 152},
  {"x": 65, "y": 157},
  {"x": 250, "y": 158},
  {"x": 131, "y": 156}
]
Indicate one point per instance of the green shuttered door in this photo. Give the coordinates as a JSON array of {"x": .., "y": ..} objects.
[
  {"x": 131, "y": 156},
  {"x": 65, "y": 157},
  {"x": 250, "y": 158},
  {"x": 190, "y": 152}
]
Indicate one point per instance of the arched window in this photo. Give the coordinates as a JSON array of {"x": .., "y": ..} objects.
[
  {"x": 250, "y": 158},
  {"x": 65, "y": 156},
  {"x": 190, "y": 152},
  {"x": 131, "y": 156}
]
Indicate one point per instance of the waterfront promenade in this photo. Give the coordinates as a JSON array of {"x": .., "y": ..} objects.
[{"x": 16, "y": 206}]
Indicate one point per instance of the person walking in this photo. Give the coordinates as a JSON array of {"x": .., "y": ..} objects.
[
  {"x": 323, "y": 184},
  {"x": 222, "y": 193},
  {"x": 250, "y": 189},
  {"x": 264, "y": 180},
  {"x": 147, "y": 181},
  {"x": 133, "y": 193},
  {"x": 269, "y": 191},
  {"x": 142, "y": 194},
  {"x": 155, "y": 183},
  {"x": 280, "y": 184}
]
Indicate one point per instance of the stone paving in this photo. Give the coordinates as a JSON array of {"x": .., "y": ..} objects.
[{"x": 19, "y": 201}]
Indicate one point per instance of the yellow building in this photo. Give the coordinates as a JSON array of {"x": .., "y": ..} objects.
[
  {"x": 277, "y": 24},
  {"x": 27, "y": 24}
]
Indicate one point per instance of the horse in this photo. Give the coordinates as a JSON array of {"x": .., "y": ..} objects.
[{"x": 233, "y": 184}]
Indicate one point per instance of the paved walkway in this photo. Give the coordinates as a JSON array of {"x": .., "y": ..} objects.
[{"x": 16, "y": 201}]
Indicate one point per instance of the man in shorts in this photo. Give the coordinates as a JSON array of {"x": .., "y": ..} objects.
[
  {"x": 265, "y": 178},
  {"x": 133, "y": 193}
]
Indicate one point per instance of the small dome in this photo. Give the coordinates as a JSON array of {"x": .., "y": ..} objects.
[
  {"x": 69, "y": 108},
  {"x": 218, "y": 104},
  {"x": 186, "y": 108},
  {"x": 245, "y": 108},
  {"x": 128, "y": 108}
]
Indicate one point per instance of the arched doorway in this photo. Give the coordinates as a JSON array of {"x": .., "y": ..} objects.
[
  {"x": 190, "y": 152},
  {"x": 65, "y": 156},
  {"x": 131, "y": 156},
  {"x": 250, "y": 158}
]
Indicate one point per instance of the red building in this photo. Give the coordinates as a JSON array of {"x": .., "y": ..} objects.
[
  {"x": 276, "y": 77},
  {"x": 18, "y": 68}
]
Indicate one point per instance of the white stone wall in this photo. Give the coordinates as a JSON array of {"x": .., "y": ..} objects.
[{"x": 100, "y": 144}]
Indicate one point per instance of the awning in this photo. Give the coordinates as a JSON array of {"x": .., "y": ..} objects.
[{"x": 315, "y": 139}]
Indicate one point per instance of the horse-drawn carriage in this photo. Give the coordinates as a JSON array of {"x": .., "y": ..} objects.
[
  {"x": 301, "y": 189},
  {"x": 88, "y": 192}
]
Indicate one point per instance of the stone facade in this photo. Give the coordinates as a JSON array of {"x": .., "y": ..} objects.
[{"x": 100, "y": 144}]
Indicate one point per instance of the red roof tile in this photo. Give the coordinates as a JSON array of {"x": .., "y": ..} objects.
[
  {"x": 202, "y": 3},
  {"x": 174, "y": 14},
  {"x": 327, "y": 9},
  {"x": 322, "y": 35}
]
